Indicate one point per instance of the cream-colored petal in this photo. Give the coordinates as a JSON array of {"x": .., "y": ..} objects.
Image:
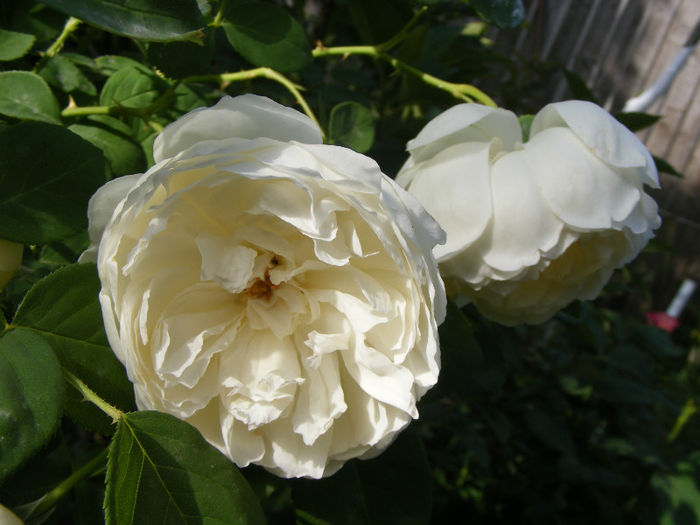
[
  {"x": 582, "y": 191},
  {"x": 454, "y": 187},
  {"x": 607, "y": 138},
  {"x": 465, "y": 123},
  {"x": 246, "y": 116}
]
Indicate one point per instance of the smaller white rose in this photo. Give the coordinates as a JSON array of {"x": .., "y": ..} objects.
[
  {"x": 10, "y": 260},
  {"x": 532, "y": 226}
]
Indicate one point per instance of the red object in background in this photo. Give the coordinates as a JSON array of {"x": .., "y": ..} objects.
[
  {"x": 663, "y": 321},
  {"x": 668, "y": 320}
]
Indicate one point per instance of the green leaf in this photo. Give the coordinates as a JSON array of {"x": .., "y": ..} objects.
[
  {"x": 266, "y": 35},
  {"x": 154, "y": 20},
  {"x": 63, "y": 308},
  {"x": 122, "y": 153},
  {"x": 47, "y": 175},
  {"x": 461, "y": 354},
  {"x": 62, "y": 73},
  {"x": 182, "y": 59},
  {"x": 14, "y": 45},
  {"x": 577, "y": 86},
  {"x": 392, "y": 488},
  {"x": 377, "y": 22},
  {"x": 664, "y": 166},
  {"x": 31, "y": 397},
  {"x": 397, "y": 484},
  {"x": 525, "y": 124},
  {"x": 317, "y": 501},
  {"x": 26, "y": 96},
  {"x": 131, "y": 88},
  {"x": 352, "y": 125},
  {"x": 634, "y": 121},
  {"x": 503, "y": 13},
  {"x": 110, "y": 64},
  {"x": 161, "y": 470}
]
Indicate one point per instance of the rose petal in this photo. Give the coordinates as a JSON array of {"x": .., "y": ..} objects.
[{"x": 247, "y": 116}]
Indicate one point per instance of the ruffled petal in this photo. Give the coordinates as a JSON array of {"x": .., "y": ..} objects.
[
  {"x": 246, "y": 116},
  {"x": 607, "y": 138},
  {"x": 465, "y": 123}
]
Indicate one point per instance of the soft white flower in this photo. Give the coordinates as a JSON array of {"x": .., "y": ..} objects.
[
  {"x": 277, "y": 293},
  {"x": 10, "y": 260},
  {"x": 7, "y": 517},
  {"x": 532, "y": 226}
]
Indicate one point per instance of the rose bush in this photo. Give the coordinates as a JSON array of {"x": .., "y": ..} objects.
[
  {"x": 277, "y": 293},
  {"x": 10, "y": 260},
  {"x": 532, "y": 226}
]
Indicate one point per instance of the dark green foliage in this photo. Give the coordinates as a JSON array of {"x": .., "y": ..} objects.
[{"x": 574, "y": 423}]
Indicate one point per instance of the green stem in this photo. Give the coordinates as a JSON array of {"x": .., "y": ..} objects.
[
  {"x": 218, "y": 20},
  {"x": 91, "y": 396},
  {"x": 50, "y": 499},
  {"x": 260, "y": 72},
  {"x": 688, "y": 410},
  {"x": 75, "y": 111},
  {"x": 465, "y": 92},
  {"x": 71, "y": 25}
]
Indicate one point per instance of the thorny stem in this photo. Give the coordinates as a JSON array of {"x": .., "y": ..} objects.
[
  {"x": 91, "y": 396},
  {"x": 261, "y": 72},
  {"x": 71, "y": 25},
  {"x": 465, "y": 92},
  {"x": 49, "y": 500}
]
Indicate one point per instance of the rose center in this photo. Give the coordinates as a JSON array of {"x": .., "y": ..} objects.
[{"x": 263, "y": 287}]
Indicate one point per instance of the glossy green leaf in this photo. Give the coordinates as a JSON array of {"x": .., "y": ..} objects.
[
  {"x": 14, "y": 45},
  {"x": 131, "y": 88},
  {"x": 395, "y": 487},
  {"x": 577, "y": 86},
  {"x": 377, "y": 22},
  {"x": 665, "y": 167},
  {"x": 351, "y": 125},
  {"x": 63, "y": 308},
  {"x": 26, "y": 96},
  {"x": 154, "y": 20},
  {"x": 62, "y": 73},
  {"x": 461, "y": 355},
  {"x": 47, "y": 175},
  {"x": 110, "y": 64},
  {"x": 634, "y": 121},
  {"x": 182, "y": 59},
  {"x": 525, "y": 124},
  {"x": 267, "y": 35},
  {"x": 31, "y": 396},
  {"x": 161, "y": 470},
  {"x": 503, "y": 13},
  {"x": 123, "y": 155}
]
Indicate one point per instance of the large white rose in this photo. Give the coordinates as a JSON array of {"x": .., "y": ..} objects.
[
  {"x": 277, "y": 293},
  {"x": 532, "y": 226}
]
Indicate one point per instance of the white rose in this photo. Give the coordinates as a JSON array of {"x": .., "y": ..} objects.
[
  {"x": 277, "y": 293},
  {"x": 532, "y": 226},
  {"x": 7, "y": 517},
  {"x": 10, "y": 260}
]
